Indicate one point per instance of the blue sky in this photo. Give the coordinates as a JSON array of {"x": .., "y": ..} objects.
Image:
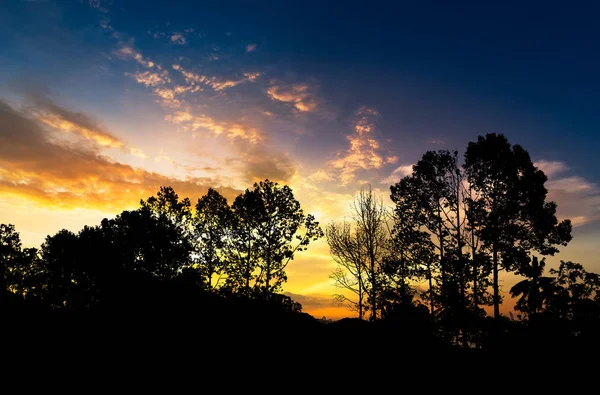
[{"x": 324, "y": 96}]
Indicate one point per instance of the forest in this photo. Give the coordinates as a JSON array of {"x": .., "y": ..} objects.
[{"x": 417, "y": 275}]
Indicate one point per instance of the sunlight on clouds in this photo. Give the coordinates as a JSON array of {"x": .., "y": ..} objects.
[
  {"x": 252, "y": 76},
  {"x": 103, "y": 139},
  {"x": 127, "y": 51},
  {"x": 214, "y": 83},
  {"x": 297, "y": 94},
  {"x": 364, "y": 152},
  {"x": 398, "y": 174},
  {"x": 54, "y": 176},
  {"x": 138, "y": 152},
  {"x": 149, "y": 78},
  {"x": 250, "y": 47},
  {"x": 232, "y": 130},
  {"x": 321, "y": 175}
]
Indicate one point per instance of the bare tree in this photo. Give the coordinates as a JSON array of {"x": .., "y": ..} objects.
[
  {"x": 369, "y": 214},
  {"x": 346, "y": 248}
]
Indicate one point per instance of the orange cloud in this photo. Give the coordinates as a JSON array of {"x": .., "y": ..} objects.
[
  {"x": 252, "y": 76},
  {"x": 214, "y": 83},
  {"x": 297, "y": 94},
  {"x": 39, "y": 170},
  {"x": 364, "y": 152},
  {"x": 250, "y": 47},
  {"x": 232, "y": 130},
  {"x": 127, "y": 51},
  {"x": 65, "y": 120},
  {"x": 149, "y": 78}
]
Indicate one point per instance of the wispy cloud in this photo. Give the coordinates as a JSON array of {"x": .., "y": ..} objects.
[
  {"x": 127, "y": 51},
  {"x": 252, "y": 76},
  {"x": 66, "y": 120},
  {"x": 578, "y": 198},
  {"x": 398, "y": 173},
  {"x": 232, "y": 130},
  {"x": 298, "y": 95},
  {"x": 212, "y": 82},
  {"x": 551, "y": 168},
  {"x": 365, "y": 151},
  {"x": 321, "y": 175},
  {"x": 178, "y": 38},
  {"x": 251, "y": 47}
]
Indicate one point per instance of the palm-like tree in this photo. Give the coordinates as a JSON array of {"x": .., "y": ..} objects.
[{"x": 535, "y": 290}]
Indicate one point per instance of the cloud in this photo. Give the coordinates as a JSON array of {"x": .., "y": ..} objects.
[
  {"x": 252, "y": 76},
  {"x": 232, "y": 130},
  {"x": 320, "y": 175},
  {"x": 149, "y": 78},
  {"x": 178, "y": 38},
  {"x": 129, "y": 52},
  {"x": 66, "y": 120},
  {"x": 551, "y": 168},
  {"x": 212, "y": 82},
  {"x": 259, "y": 163},
  {"x": 138, "y": 152},
  {"x": 36, "y": 169},
  {"x": 577, "y": 198},
  {"x": 299, "y": 95},
  {"x": 365, "y": 151},
  {"x": 251, "y": 47},
  {"x": 398, "y": 174}
]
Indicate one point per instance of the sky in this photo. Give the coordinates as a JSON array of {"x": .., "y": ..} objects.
[{"x": 103, "y": 102}]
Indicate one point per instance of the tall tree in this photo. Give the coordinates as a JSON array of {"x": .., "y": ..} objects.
[
  {"x": 212, "y": 225},
  {"x": 242, "y": 248},
  {"x": 346, "y": 246},
  {"x": 283, "y": 229},
  {"x": 511, "y": 207},
  {"x": 370, "y": 215},
  {"x": 431, "y": 200}
]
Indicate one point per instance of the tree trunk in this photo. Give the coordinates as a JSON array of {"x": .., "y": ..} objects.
[
  {"x": 475, "y": 272},
  {"x": 360, "y": 296},
  {"x": 496, "y": 291}
]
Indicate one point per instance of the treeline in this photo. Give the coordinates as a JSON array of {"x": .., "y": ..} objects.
[
  {"x": 452, "y": 229},
  {"x": 423, "y": 269},
  {"x": 240, "y": 249}
]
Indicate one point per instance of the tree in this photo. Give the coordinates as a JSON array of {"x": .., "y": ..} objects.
[
  {"x": 282, "y": 230},
  {"x": 242, "y": 244},
  {"x": 346, "y": 246},
  {"x": 212, "y": 225},
  {"x": 511, "y": 207},
  {"x": 535, "y": 290},
  {"x": 369, "y": 215},
  {"x": 430, "y": 200},
  {"x": 10, "y": 251}
]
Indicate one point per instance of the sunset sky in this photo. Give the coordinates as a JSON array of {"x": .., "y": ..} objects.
[{"x": 103, "y": 102}]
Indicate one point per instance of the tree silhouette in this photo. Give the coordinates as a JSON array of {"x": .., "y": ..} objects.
[
  {"x": 10, "y": 250},
  {"x": 511, "y": 207},
  {"x": 346, "y": 247},
  {"x": 242, "y": 247},
  {"x": 535, "y": 290},
  {"x": 278, "y": 238},
  {"x": 431, "y": 200},
  {"x": 212, "y": 224}
]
